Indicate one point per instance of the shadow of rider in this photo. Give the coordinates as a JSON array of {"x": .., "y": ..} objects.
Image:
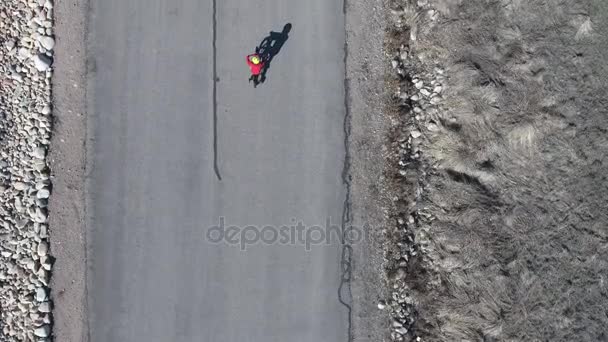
[{"x": 270, "y": 47}]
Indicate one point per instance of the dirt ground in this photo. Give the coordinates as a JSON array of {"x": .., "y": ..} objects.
[
  {"x": 366, "y": 128},
  {"x": 67, "y": 158},
  {"x": 516, "y": 247}
]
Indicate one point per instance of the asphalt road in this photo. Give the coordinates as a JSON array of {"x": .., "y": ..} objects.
[{"x": 152, "y": 275}]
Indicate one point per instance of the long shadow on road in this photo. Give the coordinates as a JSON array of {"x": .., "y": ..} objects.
[{"x": 270, "y": 47}]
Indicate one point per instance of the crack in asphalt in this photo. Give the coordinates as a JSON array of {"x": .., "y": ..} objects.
[
  {"x": 344, "y": 290},
  {"x": 215, "y": 79}
]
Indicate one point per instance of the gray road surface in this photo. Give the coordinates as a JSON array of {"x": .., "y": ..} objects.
[{"x": 152, "y": 192}]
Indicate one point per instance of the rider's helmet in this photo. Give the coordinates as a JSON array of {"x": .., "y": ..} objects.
[{"x": 255, "y": 59}]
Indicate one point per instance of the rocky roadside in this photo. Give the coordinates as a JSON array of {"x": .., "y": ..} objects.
[
  {"x": 26, "y": 55},
  {"x": 417, "y": 87}
]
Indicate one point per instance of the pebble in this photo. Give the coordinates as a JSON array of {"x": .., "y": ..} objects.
[
  {"x": 39, "y": 152},
  {"x": 437, "y": 89},
  {"x": 45, "y": 261},
  {"x": 42, "y": 62},
  {"x": 20, "y": 186},
  {"x": 25, "y": 53},
  {"x": 9, "y": 44},
  {"x": 401, "y": 331},
  {"x": 47, "y": 42},
  {"x": 415, "y": 134},
  {"x": 43, "y": 193},
  {"x": 40, "y": 294},
  {"x": 425, "y": 92},
  {"x": 419, "y": 84},
  {"x": 45, "y": 307},
  {"x": 43, "y": 331},
  {"x": 46, "y": 110},
  {"x": 43, "y": 248}
]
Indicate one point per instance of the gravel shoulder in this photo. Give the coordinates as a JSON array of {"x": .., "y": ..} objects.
[
  {"x": 26, "y": 59},
  {"x": 368, "y": 128},
  {"x": 67, "y": 161}
]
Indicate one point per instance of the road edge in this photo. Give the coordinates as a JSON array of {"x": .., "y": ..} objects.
[
  {"x": 369, "y": 126},
  {"x": 67, "y": 159}
]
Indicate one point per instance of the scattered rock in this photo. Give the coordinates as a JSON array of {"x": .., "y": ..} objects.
[
  {"x": 43, "y": 248},
  {"x": 47, "y": 42},
  {"x": 25, "y": 53},
  {"x": 43, "y": 331},
  {"x": 45, "y": 307},
  {"x": 415, "y": 134},
  {"x": 42, "y": 62},
  {"x": 40, "y": 294},
  {"x": 46, "y": 110},
  {"x": 398, "y": 274},
  {"x": 20, "y": 186},
  {"x": 401, "y": 331},
  {"x": 431, "y": 126},
  {"x": 43, "y": 193},
  {"x": 9, "y": 44},
  {"x": 39, "y": 152}
]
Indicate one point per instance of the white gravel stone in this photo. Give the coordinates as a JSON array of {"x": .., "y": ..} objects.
[
  {"x": 43, "y": 193},
  {"x": 46, "y": 110},
  {"x": 47, "y": 42},
  {"x": 40, "y": 294},
  {"x": 42, "y": 62},
  {"x": 9, "y": 44},
  {"x": 20, "y": 186},
  {"x": 25, "y": 53},
  {"x": 43, "y": 331},
  {"x": 44, "y": 307},
  {"x": 39, "y": 152},
  {"x": 415, "y": 134},
  {"x": 43, "y": 248},
  {"x": 401, "y": 331}
]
